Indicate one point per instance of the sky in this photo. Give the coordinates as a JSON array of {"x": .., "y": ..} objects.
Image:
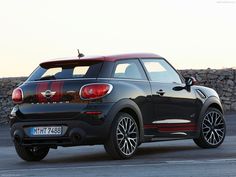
[{"x": 190, "y": 34}]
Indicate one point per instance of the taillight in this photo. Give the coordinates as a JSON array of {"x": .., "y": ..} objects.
[
  {"x": 17, "y": 95},
  {"x": 95, "y": 91}
]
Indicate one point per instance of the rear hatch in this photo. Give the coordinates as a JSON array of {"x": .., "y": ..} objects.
[{"x": 52, "y": 90}]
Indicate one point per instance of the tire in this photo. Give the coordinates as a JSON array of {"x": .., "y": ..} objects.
[
  {"x": 212, "y": 129},
  {"x": 31, "y": 153},
  {"x": 124, "y": 137}
]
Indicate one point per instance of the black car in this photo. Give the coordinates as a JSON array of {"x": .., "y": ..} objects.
[{"x": 120, "y": 101}]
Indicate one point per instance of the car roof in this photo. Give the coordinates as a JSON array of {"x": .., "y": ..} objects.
[{"x": 103, "y": 58}]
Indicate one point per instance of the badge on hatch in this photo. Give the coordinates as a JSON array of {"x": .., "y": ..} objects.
[{"x": 48, "y": 93}]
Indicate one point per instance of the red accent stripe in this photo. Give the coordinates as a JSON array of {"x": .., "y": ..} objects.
[
  {"x": 168, "y": 125},
  {"x": 57, "y": 87},
  {"x": 93, "y": 112},
  {"x": 41, "y": 87},
  {"x": 177, "y": 129},
  {"x": 172, "y": 127}
]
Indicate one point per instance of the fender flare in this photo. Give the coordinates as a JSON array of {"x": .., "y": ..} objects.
[
  {"x": 209, "y": 101},
  {"x": 122, "y": 104}
]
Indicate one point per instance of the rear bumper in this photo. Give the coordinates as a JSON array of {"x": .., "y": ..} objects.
[
  {"x": 77, "y": 133},
  {"x": 85, "y": 128}
]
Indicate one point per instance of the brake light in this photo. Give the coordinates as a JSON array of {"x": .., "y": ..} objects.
[
  {"x": 17, "y": 95},
  {"x": 95, "y": 91}
]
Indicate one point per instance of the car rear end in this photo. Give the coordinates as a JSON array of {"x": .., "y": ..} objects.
[{"x": 62, "y": 103}]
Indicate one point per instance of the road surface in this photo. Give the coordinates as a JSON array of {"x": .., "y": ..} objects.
[{"x": 173, "y": 158}]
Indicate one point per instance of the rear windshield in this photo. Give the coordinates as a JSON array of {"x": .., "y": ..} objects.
[{"x": 54, "y": 71}]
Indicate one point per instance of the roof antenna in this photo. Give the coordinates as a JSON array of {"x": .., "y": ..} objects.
[{"x": 80, "y": 54}]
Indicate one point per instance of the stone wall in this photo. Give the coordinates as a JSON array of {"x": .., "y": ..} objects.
[
  {"x": 223, "y": 81},
  {"x": 6, "y": 87}
]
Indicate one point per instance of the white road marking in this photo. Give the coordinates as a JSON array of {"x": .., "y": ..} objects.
[{"x": 116, "y": 165}]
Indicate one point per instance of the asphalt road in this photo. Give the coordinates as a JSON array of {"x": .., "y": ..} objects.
[{"x": 173, "y": 158}]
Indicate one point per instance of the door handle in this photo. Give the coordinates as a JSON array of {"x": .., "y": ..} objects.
[{"x": 160, "y": 92}]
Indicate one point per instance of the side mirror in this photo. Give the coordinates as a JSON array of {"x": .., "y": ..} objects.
[{"x": 190, "y": 81}]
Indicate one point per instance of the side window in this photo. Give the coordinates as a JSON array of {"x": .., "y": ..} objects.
[
  {"x": 160, "y": 71},
  {"x": 129, "y": 69}
]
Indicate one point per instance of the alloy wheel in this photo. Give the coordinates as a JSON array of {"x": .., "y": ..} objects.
[
  {"x": 127, "y": 135},
  {"x": 213, "y": 128}
]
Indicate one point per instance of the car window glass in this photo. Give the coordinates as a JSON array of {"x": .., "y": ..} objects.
[
  {"x": 160, "y": 71},
  {"x": 129, "y": 69},
  {"x": 66, "y": 71},
  {"x": 52, "y": 72},
  {"x": 80, "y": 71}
]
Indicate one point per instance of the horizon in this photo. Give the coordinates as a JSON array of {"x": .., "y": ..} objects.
[
  {"x": 190, "y": 35},
  {"x": 234, "y": 68}
]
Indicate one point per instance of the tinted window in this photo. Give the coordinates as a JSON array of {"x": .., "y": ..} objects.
[
  {"x": 80, "y": 71},
  {"x": 129, "y": 69},
  {"x": 160, "y": 71},
  {"x": 83, "y": 69},
  {"x": 51, "y": 72}
]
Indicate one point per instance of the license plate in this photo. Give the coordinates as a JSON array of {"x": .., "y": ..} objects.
[{"x": 46, "y": 131}]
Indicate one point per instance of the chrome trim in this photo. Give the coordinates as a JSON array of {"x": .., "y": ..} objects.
[
  {"x": 13, "y": 112},
  {"x": 138, "y": 80},
  {"x": 201, "y": 93},
  {"x": 180, "y": 84},
  {"x": 62, "y": 79},
  {"x": 61, "y": 102},
  {"x": 48, "y": 94},
  {"x": 179, "y": 133},
  {"x": 171, "y": 121},
  {"x": 71, "y": 91},
  {"x": 109, "y": 91},
  {"x": 21, "y": 95}
]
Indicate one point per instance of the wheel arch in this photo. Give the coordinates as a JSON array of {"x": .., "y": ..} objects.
[
  {"x": 130, "y": 107},
  {"x": 217, "y": 106},
  {"x": 211, "y": 102}
]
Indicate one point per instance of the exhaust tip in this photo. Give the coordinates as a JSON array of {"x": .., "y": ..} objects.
[{"x": 76, "y": 136}]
